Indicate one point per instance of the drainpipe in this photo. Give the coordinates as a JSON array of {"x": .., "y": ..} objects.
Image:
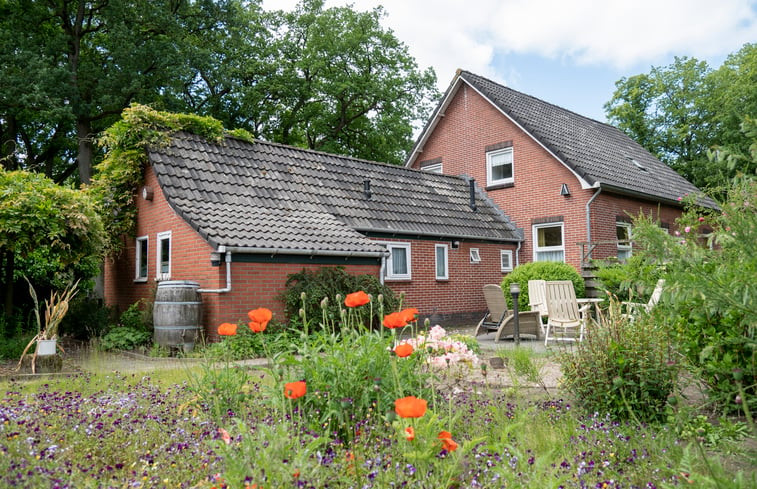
[
  {"x": 517, "y": 253},
  {"x": 228, "y": 275},
  {"x": 588, "y": 215},
  {"x": 382, "y": 272}
]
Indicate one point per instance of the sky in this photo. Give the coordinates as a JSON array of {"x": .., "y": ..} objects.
[{"x": 567, "y": 52}]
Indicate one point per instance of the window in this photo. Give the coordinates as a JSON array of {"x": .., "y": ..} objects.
[
  {"x": 475, "y": 256},
  {"x": 548, "y": 242},
  {"x": 398, "y": 262},
  {"x": 506, "y": 260},
  {"x": 623, "y": 232},
  {"x": 499, "y": 166},
  {"x": 164, "y": 256},
  {"x": 433, "y": 168},
  {"x": 141, "y": 259},
  {"x": 441, "y": 262}
]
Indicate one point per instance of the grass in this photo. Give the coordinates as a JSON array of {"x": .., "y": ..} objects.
[{"x": 154, "y": 430}]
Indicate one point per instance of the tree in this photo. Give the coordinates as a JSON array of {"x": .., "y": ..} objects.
[
  {"x": 53, "y": 230},
  {"x": 683, "y": 111}
]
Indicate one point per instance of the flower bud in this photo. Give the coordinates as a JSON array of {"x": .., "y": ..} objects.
[
  {"x": 380, "y": 298},
  {"x": 302, "y": 296}
]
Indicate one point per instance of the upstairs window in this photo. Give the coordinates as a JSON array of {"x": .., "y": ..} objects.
[
  {"x": 164, "y": 256},
  {"x": 141, "y": 260},
  {"x": 623, "y": 232},
  {"x": 398, "y": 261},
  {"x": 548, "y": 242},
  {"x": 499, "y": 166}
]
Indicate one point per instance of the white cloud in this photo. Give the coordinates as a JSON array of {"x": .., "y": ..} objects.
[{"x": 451, "y": 34}]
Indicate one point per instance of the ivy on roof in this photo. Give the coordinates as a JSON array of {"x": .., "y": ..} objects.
[{"x": 119, "y": 175}]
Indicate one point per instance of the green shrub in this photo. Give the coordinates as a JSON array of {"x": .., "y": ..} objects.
[
  {"x": 87, "y": 318},
  {"x": 133, "y": 329},
  {"x": 711, "y": 295},
  {"x": 332, "y": 282},
  {"x": 622, "y": 367},
  {"x": 631, "y": 281},
  {"x": 246, "y": 344},
  {"x": 541, "y": 270}
]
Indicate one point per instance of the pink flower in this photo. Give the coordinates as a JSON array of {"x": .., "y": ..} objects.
[
  {"x": 701, "y": 219},
  {"x": 679, "y": 199},
  {"x": 225, "y": 435},
  {"x": 677, "y": 233},
  {"x": 687, "y": 229}
]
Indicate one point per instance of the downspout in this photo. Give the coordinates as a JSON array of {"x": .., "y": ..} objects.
[
  {"x": 228, "y": 277},
  {"x": 382, "y": 272},
  {"x": 588, "y": 215},
  {"x": 517, "y": 253}
]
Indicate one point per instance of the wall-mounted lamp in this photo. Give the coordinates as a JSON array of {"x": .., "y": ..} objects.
[
  {"x": 455, "y": 245},
  {"x": 564, "y": 190},
  {"x": 215, "y": 259},
  {"x": 147, "y": 192}
]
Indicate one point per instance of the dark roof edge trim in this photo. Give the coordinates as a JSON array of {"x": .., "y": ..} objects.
[
  {"x": 703, "y": 200},
  {"x": 407, "y": 235},
  {"x": 304, "y": 252}
]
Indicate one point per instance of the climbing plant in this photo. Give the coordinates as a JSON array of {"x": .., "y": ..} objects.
[{"x": 120, "y": 173}]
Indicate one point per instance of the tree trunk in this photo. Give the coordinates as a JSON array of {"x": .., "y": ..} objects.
[
  {"x": 8, "y": 261},
  {"x": 86, "y": 150}
]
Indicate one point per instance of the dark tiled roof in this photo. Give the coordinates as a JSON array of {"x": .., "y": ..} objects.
[
  {"x": 265, "y": 195},
  {"x": 599, "y": 153}
]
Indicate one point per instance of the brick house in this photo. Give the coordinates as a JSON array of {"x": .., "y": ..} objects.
[
  {"x": 564, "y": 179},
  {"x": 239, "y": 217}
]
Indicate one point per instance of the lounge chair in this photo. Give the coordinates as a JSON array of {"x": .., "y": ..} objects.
[
  {"x": 633, "y": 309},
  {"x": 537, "y": 298},
  {"x": 565, "y": 315},
  {"x": 502, "y": 321}
]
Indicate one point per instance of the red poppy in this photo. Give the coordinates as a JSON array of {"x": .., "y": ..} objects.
[
  {"x": 395, "y": 320},
  {"x": 357, "y": 299},
  {"x": 409, "y": 314},
  {"x": 410, "y": 433},
  {"x": 403, "y": 350},
  {"x": 410, "y": 407},
  {"x": 259, "y": 319},
  {"x": 293, "y": 390},
  {"x": 227, "y": 329},
  {"x": 447, "y": 442}
]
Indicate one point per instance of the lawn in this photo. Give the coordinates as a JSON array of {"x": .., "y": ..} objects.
[{"x": 226, "y": 426}]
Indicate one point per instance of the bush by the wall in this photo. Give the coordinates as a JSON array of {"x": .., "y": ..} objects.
[
  {"x": 134, "y": 329},
  {"x": 330, "y": 282},
  {"x": 632, "y": 281},
  {"x": 541, "y": 270}
]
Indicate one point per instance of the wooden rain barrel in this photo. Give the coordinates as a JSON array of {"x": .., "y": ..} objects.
[{"x": 177, "y": 314}]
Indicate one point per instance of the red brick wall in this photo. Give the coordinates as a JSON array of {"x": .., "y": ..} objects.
[
  {"x": 458, "y": 299},
  {"x": 471, "y": 123}
]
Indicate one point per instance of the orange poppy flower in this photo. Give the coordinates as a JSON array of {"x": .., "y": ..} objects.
[
  {"x": 410, "y": 433},
  {"x": 356, "y": 299},
  {"x": 293, "y": 390},
  {"x": 395, "y": 320},
  {"x": 259, "y": 319},
  {"x": 227, "y": 329},
  {"x": 447, "y": 442},
  {"x": 403, "y": 350},
  {"x": 409, "y": 314},
  {"x": 410, "y": 407}
]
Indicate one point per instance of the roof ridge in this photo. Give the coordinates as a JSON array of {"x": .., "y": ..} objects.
[{"x": 463, "y": 72}]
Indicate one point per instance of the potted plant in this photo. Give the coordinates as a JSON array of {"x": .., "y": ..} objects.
[{"x": 56, "y": 308}]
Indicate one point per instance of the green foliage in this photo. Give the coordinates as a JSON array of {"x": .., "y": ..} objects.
[
  {"x": 352, "y": 376},
  {"x": 623, "y": 368},
  {"x": 133, "y": 329},
  {"x": 14, "y": 336},
  {"x": 633, "y": 280},
  {"x": 333, "y": 282},
  {"x": 54, "y": 231},
  {"x": 541, "y": 270},
  {"x": 682, "y": 111},
  {"x": 711, "y": 294},
  {"x": 120, "y": 173},
  {"x": 247, "y": 344}
]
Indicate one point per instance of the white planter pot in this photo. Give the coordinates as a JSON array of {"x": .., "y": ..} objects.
[{"x": 46, "y": 347}]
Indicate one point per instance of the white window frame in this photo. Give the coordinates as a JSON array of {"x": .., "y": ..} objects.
[
  {"x": 475, "y": 255},
  {"x": 509, "y": 255},
  {"x": 624, "y": 249},
  {"x": 159, "y": 274},
  {"x": 548, "y": 249},
  {"x": 444, "y": 247},
  {"x": 433, "y": 168},
  {"x": 489, "y": 157},
  {"x": 139, "y": 259},
  {"x": 389, "y": 275}
]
